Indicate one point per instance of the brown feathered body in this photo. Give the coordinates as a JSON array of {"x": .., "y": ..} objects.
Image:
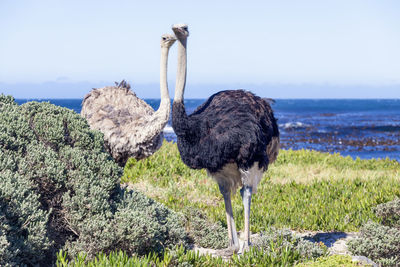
[{"x": 128, "y": 123}]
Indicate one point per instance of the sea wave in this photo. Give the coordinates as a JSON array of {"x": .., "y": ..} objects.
[{"x": 294, "y": 125}]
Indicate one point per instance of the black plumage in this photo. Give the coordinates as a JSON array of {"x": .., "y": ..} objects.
[
  {"x": 232, "y": 126},
  {"x": 234, "y": 135}
]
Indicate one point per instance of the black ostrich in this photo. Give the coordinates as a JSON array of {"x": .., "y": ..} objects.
[{"x": 234, "y": 135}]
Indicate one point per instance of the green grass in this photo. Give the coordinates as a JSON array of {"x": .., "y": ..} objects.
[
  {"x": 331, "y": 261},
  {"x": 177, "y": 257},
  {"x": 180, "y": 257},
  {"x": 278, "y": 255},
  {"x": 303, "y": 190}
]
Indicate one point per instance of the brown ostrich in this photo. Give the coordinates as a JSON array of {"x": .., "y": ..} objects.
[{"x": 130, "y": 126}]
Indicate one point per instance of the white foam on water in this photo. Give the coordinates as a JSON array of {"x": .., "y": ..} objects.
[{"x": 294, "y": 125}]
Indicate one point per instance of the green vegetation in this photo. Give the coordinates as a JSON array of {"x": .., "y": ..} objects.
[
  {"x": 330, "y": 261},
  {"x": 175, "y": 257},
  {"x": 381, "y": 242},
  {"x": 60, "y": 189},
  {"x": 61, "y": 201},
  {"x": 272, "y": 248},
  {"x": 389, "y": 213},
  {"x": 203, "y": 232},
  {"x": 335, "y": 192}
]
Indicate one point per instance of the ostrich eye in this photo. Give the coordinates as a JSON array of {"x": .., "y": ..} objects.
[
  {"x": 164, "y": 38},
  {"x": 185, "y": 28}
]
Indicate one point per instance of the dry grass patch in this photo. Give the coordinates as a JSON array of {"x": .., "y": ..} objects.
[{"x": 315, "y": 173}]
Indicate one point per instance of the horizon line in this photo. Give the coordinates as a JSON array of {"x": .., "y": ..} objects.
[{"x": 196, "y": 98}]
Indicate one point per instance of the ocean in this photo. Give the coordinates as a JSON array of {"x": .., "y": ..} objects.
[{"x": 366, "y": 129}]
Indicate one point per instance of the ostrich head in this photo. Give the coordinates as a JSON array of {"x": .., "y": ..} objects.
[
  {"x": 181, "y": 31},
  {"x": 167, "y": 40}
]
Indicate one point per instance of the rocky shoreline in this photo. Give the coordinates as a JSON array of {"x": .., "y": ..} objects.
[{"x": 353, "y": 142}]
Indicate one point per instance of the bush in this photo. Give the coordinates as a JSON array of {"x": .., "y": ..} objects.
[
  {"x": 60, "y": 189},
  {"x": 331, "y": 261},
  {"x": 205, "y": 233},
  {"x": 281, "y": 241},
  {"x": 389, "y": 213},
  {"x": 381, "y": 243},
  {"x": 23, "y": 225}
]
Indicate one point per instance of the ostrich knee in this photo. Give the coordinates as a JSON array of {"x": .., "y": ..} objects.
[
  {"x": 233, "y": 238},
  {"x": 246, "y": 192}
]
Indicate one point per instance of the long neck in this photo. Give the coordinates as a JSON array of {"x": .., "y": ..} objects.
[
  {"x": 160, "y": 118},
  {"x": 181, "y": 73},
  {"x": 180, "y": 120},
  {"x": 165, "y": 104},
  {"x": 165, "y": 100}
]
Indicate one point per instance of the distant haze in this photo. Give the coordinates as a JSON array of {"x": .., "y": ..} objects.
[
  {"x": 278, "y": 49},
  {"x": 78, "y": 90}
]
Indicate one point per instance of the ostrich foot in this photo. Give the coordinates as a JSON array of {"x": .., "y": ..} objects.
[
  {"x": 245, "y": 244},
  {"x": 246, "y": 247}
]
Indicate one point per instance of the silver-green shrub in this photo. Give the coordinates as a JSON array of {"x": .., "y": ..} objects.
[
  {"x": 284, "y": 240},
  {"x": 389, "y": 213},
  {"x": 205, "y": 233},
  {"x": 378, "y": 242},
  {"x": 60, "y": 189},
  {"x": 23, "y": 225},
  {"x": 381, "y": 242}
]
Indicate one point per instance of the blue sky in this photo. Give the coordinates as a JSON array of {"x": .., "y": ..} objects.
[{"x": 285, "y": 49}]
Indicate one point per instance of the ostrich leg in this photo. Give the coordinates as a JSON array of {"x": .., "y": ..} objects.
[
  {"x": 233, "y": 238},
  {"x": 246, "y": 192}
]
